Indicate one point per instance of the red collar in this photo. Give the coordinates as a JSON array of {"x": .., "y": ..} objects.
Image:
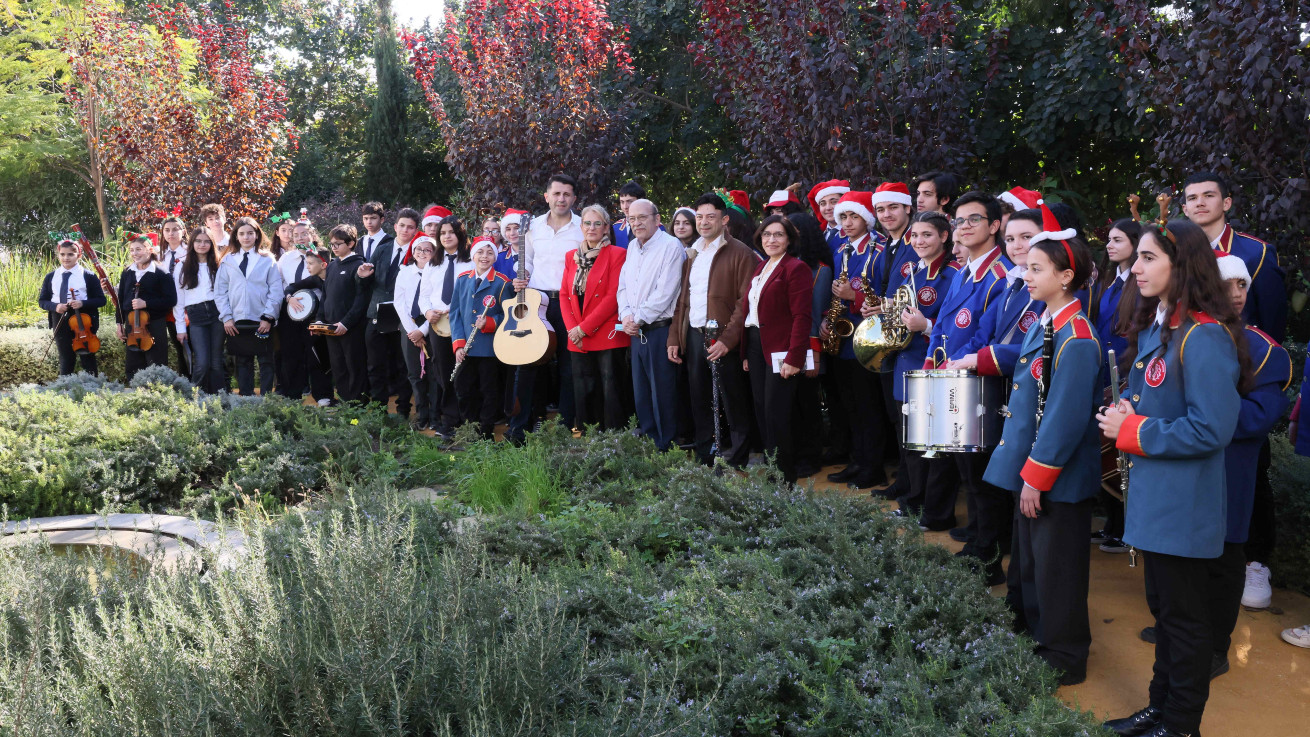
[
  {"x": 1226, "y": 240},
  {"x": 1066, "y": 313},
  {"x": 986, "y": 264},
  {"x": 935, "y": 267},
  {"x": 855, "y": 245},
  {"x": 1200, "y": 318}
]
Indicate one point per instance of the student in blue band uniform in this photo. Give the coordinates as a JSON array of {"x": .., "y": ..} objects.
[
  {"x": 1179, "y": 416},
  {"x": 1052, "y": 463},
  {"x": 1206, "y": 202},
  {"x": 859, "y": 389},
  {"x": 67, "y": 288},
  {"x": 823, "y": 199},
  {"x": 478, "y": 307},
  {"x": 1262, "y": 408},
  {"x": 925, "y": 485}
]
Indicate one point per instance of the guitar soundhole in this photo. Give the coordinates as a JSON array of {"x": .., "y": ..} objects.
[{"x": 520, "y": 311}]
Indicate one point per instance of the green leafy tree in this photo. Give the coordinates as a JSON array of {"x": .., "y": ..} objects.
[{"x": 386, "y": 167}]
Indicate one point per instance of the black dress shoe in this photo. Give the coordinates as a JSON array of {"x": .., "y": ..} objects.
[
  {"x": 868, "y": 480},
  {"x": 961, "y": 535},
  {"x": 1147, "y": 635},
  {"x": 1140, "y": 723},
  {"x": 1163, "y": 731},
  {"x": 942, "y": 526},
  {"x": 846, "y": 474},
  {"x": 1218, "y": 665}
]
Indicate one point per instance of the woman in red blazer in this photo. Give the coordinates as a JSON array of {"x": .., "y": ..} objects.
[
  {"x": 778, "y": 307},
  {"x": 589, "y": 305}
]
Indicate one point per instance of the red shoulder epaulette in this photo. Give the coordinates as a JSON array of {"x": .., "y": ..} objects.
[
  {"x": 469, "y": 274},
  {"x": 1082, "y": 328},
  {"x": 998, "y": 270},
  {"x": 1262, "y": 334}
]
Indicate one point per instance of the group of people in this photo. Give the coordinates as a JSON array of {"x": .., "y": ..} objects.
[{"x": 724, "y": 336}]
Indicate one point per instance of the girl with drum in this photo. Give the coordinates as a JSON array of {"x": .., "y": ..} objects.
[
  {"x": 928, "y": 480},
  {"x": 451, "y": 260},
  {"x": 1050, "y": 454},
  {"x": 196, "y": 314},
  {"x": 1174, "y": 426},
  {"x": 414, "y": 330}
]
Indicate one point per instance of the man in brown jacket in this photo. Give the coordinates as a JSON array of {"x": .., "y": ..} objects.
[{"x": 715, "y": 278}]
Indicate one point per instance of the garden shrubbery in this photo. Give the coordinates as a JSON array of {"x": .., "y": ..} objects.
[{"x": 648, "y": 596}]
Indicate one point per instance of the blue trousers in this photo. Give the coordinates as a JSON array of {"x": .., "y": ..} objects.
[{"x": 655, "y": 387}]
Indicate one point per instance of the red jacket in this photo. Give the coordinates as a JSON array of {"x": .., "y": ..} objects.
[
  {"x": 785, "y": 308},
  {"x": 600, "y": 310}
]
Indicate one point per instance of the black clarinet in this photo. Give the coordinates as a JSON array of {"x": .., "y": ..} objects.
[{"x": 1048, "y": 358}]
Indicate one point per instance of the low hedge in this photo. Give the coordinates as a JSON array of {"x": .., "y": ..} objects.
[
  {"x": 654, "y": 597},
  {"x": 1289, "y": 475},
  {"x": 27, "y": 356}
]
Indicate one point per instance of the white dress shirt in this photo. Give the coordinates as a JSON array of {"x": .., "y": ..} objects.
[
  {"x": 1015, "y": 273},
  {"x": 545, "y": 249},
  {"x": 651, "y": 278},
  {"x": 753, "y": 296},
  {"x": 369, "y": 241},
  {"x": 434, "y": 277},
  {"x": 170, "y": 261},
  {"x": 76, "y": 283},
  {"x": 291, "y": 264},
  {"x": 698, "y": 280},
  {"x": 409, "y": 280},
  {"x": 203, "y": 292}
]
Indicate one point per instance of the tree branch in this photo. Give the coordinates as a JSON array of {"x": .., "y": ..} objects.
[{"x": 663, "y": 99}]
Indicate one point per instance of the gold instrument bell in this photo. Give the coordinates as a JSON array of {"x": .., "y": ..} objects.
[{"x": 878, "y": 338}]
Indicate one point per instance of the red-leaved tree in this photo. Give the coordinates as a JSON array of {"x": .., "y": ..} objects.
[
  {"x": 522, "y": 89},
  {"x": 166, "y": 131},
  {"x": 827, "y": 88}
]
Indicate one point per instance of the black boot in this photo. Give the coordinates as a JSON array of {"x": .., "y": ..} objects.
[
  {"x": 1140, "y": 723},
  {"x": 846, "y": 474}
]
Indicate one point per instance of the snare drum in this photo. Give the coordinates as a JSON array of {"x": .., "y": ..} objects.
[
  {"x": 309, "y": 300},
  {"x": 952, "y": 411}
]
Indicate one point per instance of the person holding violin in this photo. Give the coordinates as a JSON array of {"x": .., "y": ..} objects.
[
  {"x": 148, "y": 296},
  {"x": 67, "y": 293}
]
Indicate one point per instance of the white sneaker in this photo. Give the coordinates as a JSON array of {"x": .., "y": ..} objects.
[
  {"x": 1257, "y": 594},
  {"x": 1299, "y": 636},
  {"x": 324, "y": 402}
]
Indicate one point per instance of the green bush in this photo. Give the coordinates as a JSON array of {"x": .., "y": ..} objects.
[
  {"x": 28, "y": 357},
  {"x": 655, "y": 598},
  {"x": 1290, "y": 477}
]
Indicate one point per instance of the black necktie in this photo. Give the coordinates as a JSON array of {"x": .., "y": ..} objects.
[
  {"x": 414, "y": 311},
  {"x": 172, "y": 261},
  {"x": 300, "y": 269},
  {"x": 63, "y": 287},
  {"x": 448, "y": 286},
  {"x": 245, "y": 259}
]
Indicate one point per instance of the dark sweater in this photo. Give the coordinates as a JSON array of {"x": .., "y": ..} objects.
[{"x": 157, "y": 289}]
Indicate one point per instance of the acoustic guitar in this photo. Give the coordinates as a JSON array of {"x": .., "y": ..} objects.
[{"x": 525, "y": 338}]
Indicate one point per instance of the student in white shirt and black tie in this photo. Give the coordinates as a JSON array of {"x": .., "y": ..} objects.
[
  {"x": 414, "y": 331},
  {"x": 68, "y": 288},
  {"x": 294, "y": 339},
  {"x": 451, "y": 259},
  {"x": 386, "y": 366},
  {"x": 172, "y": 252}
]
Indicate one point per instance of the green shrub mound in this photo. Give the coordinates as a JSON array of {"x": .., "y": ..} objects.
[{"x": 649, "y": 597}]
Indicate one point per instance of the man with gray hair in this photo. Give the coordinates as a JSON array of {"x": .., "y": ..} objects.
[{"x": 649, "y": 284}]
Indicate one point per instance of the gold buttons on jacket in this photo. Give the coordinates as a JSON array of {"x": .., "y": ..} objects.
[
  {"x": 1016, "y": 385},
  {"x": 1137, "y": 398},
  {"x": 1023, "y": 360},
  {"x": 1130, "y": 464},
  {"x": 1002, "y": 442},
  {"x": 1139, "y": 364}
]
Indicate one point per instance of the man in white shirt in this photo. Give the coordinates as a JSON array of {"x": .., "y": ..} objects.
[
  {"x": 649, "y": 285},
  {"x": 548, "y": 240}
]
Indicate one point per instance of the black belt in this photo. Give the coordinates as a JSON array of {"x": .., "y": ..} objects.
[
  {"x": 552, "y": 294},
  {"x": 657, "y": 324}
]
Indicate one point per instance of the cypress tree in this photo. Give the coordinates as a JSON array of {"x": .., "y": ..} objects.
[{"x": 386, "y": 168}]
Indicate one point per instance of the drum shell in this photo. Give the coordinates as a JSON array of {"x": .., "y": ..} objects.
[
  {"x": 310, "y": 299},
  {"x": 960, "y": 409}
]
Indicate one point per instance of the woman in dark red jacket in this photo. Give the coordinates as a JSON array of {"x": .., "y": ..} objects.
[
  {"x": 778, "y": 309},
  {"x": 590, "y": 308}
]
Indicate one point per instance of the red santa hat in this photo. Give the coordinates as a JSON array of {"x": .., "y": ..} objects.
[
  {"x": 741, "y": 199},
  {"x": 823, "y": 189},
  {"x": 860, "y": 203},
  {"x": 513, "y": 217},
  {"x": 1232, "y": 267},
  {"x": 422, "y": 239},
  {"x": 435, "y": 214},
  {"x": 1021, "y": 199},
  {"x": 1051, "y": 231},
  {"x": 893, "y": 192},
  {"x": 781, "y": 197},
  {"x": 482, "y": 242}
]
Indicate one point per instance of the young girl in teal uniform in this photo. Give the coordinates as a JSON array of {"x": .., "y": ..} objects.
[
  {"x": 1185, "y": 385},
  {"x": 1050, "y": 455},
  {"x": 477, "y": 307}
]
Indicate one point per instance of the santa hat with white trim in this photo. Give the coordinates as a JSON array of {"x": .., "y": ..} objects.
[
  {"x": 1020, "y": 198},
  {"x": 823, "y": 189},
  {"x": 1232, "y": 267},
  {"x": 435, "y": 214},
  {"x": 893, "y": 192},
  {"x": 782, "y": 196},
  {"x": 482, "y": 242},
  {"x": 1051, "y": 230},
  {"x": 860, "y": 203},
  {"x": 513, "y": 217}
]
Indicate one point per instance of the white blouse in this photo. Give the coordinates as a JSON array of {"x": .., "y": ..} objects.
[
  {"x": 203, "y": 292},
  {"x": 753, "y": 296}
]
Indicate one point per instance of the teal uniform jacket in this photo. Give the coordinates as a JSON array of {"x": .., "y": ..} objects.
[
  {"x": 1186, "y": 403},
  {"x": 1262, "y": 408},
  {"x": 1062, "y": 457},
  {"x": 468, "y": 302}
]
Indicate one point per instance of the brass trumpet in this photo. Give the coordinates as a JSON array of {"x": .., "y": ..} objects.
[
  {"x": 880, "y": 337},
  {"x": 839, "y": 326}
]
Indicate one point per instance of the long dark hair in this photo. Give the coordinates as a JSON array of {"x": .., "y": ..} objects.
[
  {"x": 261, "y": 238},
  {"x": 811, "y": 248},
  {"x": 461, "y": 238},
  {"x": 1109, "y": 272},
  {"x": 1194, "y": 286},
  {"x": 191, "y": 264},
  {"x": 742, "y": 227}
]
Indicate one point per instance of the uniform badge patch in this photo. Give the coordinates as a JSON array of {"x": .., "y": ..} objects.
[
  {"x": 1037, "y": 368},
  {"x": 906, "y": 268},
  {"x": 963, "y": 318},
  {"x": 927, "y": 295},
  {"x": 857, "y": 284},
  {"x": 488, "y": 301},
  {"x": 1027, "y": 320},
  {"x": 1155, "y": 372}
]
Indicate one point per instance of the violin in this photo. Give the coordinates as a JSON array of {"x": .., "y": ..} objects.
[
  {"x": 138, "y": 334},
  {"x": 84, "y": 340}
]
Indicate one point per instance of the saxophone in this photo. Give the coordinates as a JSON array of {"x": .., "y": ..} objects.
[{"x": 839, "y": 325}]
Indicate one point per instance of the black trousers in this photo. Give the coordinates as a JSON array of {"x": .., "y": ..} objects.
[
  {"x": 422, "y": 378},
  {"x": 303, "y": 363},
  {"x": 734, "y": 394},
  {"x": 808, "y": 421},
  {"x": 938, "y": 480},
  {"x": 597, "y": 390},
  {"x": 894, "y": 427},
  {"x": 68, "y": 358},
  {"x": 1228, "y": 580},
  {"x": 861, "y": 393},
  {"x": 532, "y": 384},
  {"x": 1114, "y": 515},
  {"x": 774, "y": 399},
  {"x": 446, "y": 404},
  {"x": 386, "y": 369},
  {"x": 478, "y": 396},
  {"x": 1050, "y": 561},
  {"x": 839, "y": 435},
  {"x": 991, "y": 509},
  {"x": 134, "y": 361},
  {"x": 1263, "y": 533},
  {"x": 1177, "y": 593},
  {"x": 348, "y": 358}
]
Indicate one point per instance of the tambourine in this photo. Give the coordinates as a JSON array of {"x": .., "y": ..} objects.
[
  {"x": 322, "y": 328},
  {"x": 309, "y": 299}
]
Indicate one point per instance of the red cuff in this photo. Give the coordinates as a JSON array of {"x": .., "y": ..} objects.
[
  {"x": 456, "y": 344},
  {"x": 490, "y": 325},
  {"x": 1039, "y": 475},
  {"x": 929, "y": 364},
  {"x": 987, "y": 366},
  {"x": 816, "y": 345},
  {"x": 1130, "y": 435},
  {"x": 858, "y": 302}
]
